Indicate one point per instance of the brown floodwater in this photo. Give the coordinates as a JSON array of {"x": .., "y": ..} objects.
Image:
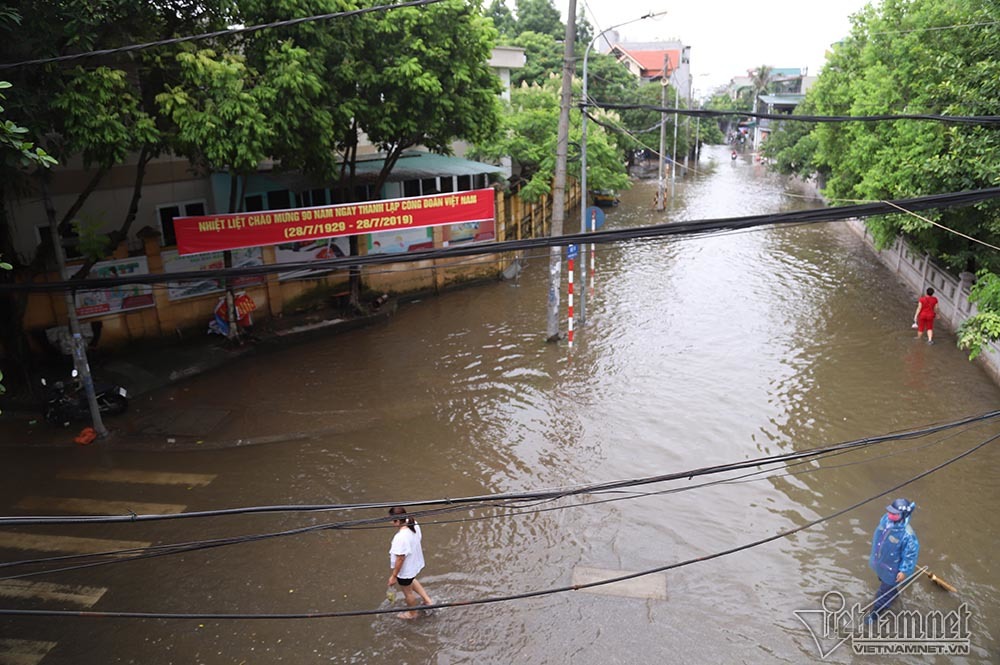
[{"x": 695, "y": 352}]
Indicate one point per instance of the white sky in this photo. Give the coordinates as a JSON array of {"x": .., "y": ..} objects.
[{"x": 728, "y": 37}]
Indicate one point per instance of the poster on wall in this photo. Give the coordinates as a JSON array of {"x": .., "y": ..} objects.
[
  {"x": 400, "y": 241},
  {"x": 469, "y": 232},
  {"x": 311, "y": 250},
  {"x": 173, "y": 262},
  {"x": 117, "y": 299}
]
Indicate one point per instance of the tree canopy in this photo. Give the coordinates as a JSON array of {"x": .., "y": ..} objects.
[{"x": 914, "y": 57}]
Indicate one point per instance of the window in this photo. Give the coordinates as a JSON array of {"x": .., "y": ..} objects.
[
  {"x": 428, "y": 186},
  {"x": 165, "y": 216},
  {"x": 311, "y": 197},
  {"x": 411, "y": 188},
  {"x": 464, "y": 183},
  {"x": 254, "y": 203},
  {"x": 279, "y": 199},
  {"x": 447, "y": 184}
]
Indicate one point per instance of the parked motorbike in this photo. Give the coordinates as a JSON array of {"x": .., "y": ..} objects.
[{"x": 64, "y": 404}]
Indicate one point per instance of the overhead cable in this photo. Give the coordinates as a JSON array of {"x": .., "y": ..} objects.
[
  {"x": 218, "y": 33},
  {"x": 704, "y": 226},
  {"x": 507, "y": 496},
  {"x": 237, "y": 616},
  {"x": 713, "y": 113}
]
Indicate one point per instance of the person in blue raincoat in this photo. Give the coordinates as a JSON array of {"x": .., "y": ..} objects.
[{"x": 894, "y": 553}]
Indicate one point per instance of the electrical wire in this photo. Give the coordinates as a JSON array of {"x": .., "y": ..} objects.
[
  {"x": 218, "y": 33},
  {"x": 221, "y": 616},
  {"x": 509, "y": 496},
  {"x": 985, "y": 120},
  {"x": 705, "y": 226}
]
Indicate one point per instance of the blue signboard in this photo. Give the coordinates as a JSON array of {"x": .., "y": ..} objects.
[
  {"x": 595, "y": 218},
  {"x": 572, "y": 251}
]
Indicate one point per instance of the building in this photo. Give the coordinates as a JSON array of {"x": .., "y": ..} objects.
[{"x": 650, "y": 61}]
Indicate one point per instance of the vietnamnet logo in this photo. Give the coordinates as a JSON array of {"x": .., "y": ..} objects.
[{"x": 902, "y": 632}]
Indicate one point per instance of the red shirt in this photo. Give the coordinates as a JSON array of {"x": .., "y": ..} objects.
[{"x": 927, "y": 305}]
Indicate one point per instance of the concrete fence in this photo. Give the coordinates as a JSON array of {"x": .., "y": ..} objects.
[{"x": 918, "y": 272}]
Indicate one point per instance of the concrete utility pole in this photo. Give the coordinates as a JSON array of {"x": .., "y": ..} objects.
[
  {"x": 660, "y": 194},
  {"x": 559, "y": 181},
  {"x": 582, "y": 317},
  {"x": 79, "y": 347}
]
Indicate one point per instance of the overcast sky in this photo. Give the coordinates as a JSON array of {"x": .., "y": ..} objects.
[{"x": 727, "y": 37}]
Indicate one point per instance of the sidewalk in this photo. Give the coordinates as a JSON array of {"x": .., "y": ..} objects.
[{"x": 144, "y": 368}]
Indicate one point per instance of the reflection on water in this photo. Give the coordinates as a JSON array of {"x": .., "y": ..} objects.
[{"x": 695, "y": 352}]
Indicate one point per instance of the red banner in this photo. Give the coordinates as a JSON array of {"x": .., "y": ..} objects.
[{"x": 211, "y": 233}]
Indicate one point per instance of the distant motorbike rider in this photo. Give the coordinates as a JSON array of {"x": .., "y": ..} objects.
[{"x": 894, "y": 553}]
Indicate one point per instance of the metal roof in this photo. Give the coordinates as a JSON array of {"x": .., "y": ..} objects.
[
  {"x": 778, "y": 100},
  {"x": 415, "y": 164}
]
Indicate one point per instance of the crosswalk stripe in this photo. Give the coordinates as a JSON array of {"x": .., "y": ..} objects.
[
  {"x": 23, "y": 652},
  {"x": 13, "y": 540},
  {"x": 76, "y": 506},
  {"x": 137, "y": 476},
  {"x": 84, "y": 596}
]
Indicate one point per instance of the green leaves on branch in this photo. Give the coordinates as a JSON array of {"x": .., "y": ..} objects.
[{"x": 15, "y": 150}]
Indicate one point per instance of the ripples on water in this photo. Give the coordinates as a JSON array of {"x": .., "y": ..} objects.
[{"x": 696, "y": 352}]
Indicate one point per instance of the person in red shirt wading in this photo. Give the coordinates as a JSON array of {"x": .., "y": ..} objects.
[{"x": 924, "y": 316}]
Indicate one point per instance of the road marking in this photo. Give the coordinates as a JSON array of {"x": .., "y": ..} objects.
[
  {"x": 84, "y": 596},
  {"x": 12, "y": 540},
  {"x": 137, "y": 476},
  {"x": 76, "y": 506},
  {"x": 653, "y": 586},
  {"x": 23, "y": 652}
]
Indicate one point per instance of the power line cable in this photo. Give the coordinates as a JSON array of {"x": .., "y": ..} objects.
[
  {"x": 218, "y": 33},
  {"x": 705, "y": 226},
  {"x": 517, "y": 508},
  {"x": 986, "y": 120},
  {"x": 508, "y": 496},
  {"x": 220, "y": 616}
]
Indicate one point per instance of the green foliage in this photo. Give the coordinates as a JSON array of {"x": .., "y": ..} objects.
[
  {"x": 543, "y": 59},
  {"x": 983, "y": 327},
  {"x": 15, "y": 150},
  {"x": 892, "y": 63},
  {"x": 219, "y": 111},
  {"x": 92, "y": 244},
  {"x": 528, "y": 134},
  {"x": 540, "y": 16},
  {"x": 644, "y": 124},
  {"x": 792, "y": 145},
  {"x": 503, "y": 19}
]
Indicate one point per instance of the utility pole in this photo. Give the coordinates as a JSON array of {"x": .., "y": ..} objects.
[
  {"x": 559, "y": 180},
  {"x": 79, "y": 347},
  {"x": 660, "y": 194}
]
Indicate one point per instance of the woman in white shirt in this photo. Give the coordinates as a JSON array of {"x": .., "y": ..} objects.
[{"x": 406, "y": 558}]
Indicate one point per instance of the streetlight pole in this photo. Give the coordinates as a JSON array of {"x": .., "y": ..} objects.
[{"x": 583, "y": 158}]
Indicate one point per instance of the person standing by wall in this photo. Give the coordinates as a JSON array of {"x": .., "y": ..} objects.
[
  {"x": 406, "y": 558},
  {"x": 924, "y": 316},
  {"x": 894, "y": 553}
]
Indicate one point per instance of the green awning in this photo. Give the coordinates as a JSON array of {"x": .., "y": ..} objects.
[{"x": 415, "y": 164}]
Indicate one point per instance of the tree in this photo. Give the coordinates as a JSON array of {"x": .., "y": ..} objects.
[
  {"x": 540, "y": 16},
  {"x": 16, "y": 153},
  {"x": 584, "y": 31},
  {"x": 898, "y": 60},
  {"x": 792, "y": 145},
  {"x": 543, "y": 58},
  {"x": 528, "y": 135},
  {"x": 503, "y": 19}
]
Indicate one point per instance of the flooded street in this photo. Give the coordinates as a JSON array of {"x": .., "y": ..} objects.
[{"x": 695, "y": 352}]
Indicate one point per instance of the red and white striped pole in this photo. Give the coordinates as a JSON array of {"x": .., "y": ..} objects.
[{"x": 569, "y": 333}]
